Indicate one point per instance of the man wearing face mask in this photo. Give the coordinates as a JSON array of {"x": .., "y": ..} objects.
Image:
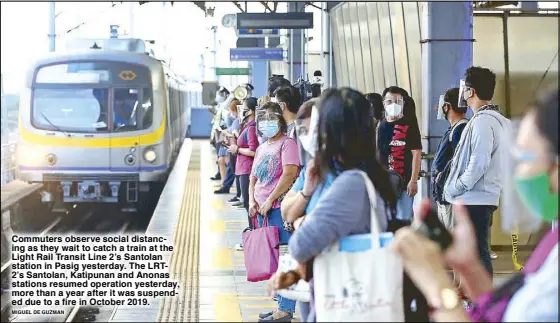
[
  {"x": 449, "y": 111},
  {"x": 400, "y": 147},
  {"x": 289, "y": 98},
  {"x": 474, "y": 177}
]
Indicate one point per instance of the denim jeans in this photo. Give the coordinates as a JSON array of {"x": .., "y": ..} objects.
[
  {"x": 230, "y": 174},
  {"x": 480, "y": 216},
  {"x": 303, "y": 311},
  {"x": 286, "y": 305},
  {"x": 405, "y": 206},
  {"x": 275, "y": 219}
]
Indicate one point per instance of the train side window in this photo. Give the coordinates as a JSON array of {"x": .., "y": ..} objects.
[{"x": 147, "y": 110}]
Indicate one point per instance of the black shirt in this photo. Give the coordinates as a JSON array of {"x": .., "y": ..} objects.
[{"x": 396, "y": 141}]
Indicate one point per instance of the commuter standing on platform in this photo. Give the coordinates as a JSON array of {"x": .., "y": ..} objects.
[{"x": 474, "y": 177}]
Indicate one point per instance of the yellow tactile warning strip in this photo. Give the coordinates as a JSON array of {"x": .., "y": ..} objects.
[{"x": 185, "y": 256}]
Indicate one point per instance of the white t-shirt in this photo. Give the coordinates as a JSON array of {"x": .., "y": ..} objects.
[{"x": 537, "y": 300}]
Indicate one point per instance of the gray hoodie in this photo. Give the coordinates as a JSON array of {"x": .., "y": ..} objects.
[{"x": 476, "y": 173}]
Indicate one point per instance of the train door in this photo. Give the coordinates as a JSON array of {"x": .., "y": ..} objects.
[{"x": 125, "y": 149}]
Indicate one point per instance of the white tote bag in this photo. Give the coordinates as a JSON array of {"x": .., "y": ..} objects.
[
  {"x": 300, "y": 291},
  {"x": 362, "y": 286}
]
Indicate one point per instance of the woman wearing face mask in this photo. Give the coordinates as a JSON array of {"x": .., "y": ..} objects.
[
  {"x": 530, "y": 296},
  {"x": 245, "y": 148},
  {"x": 345, "y": 144},
  {"x": 275, "y": 168}
]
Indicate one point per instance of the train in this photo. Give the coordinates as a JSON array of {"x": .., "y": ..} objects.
[{"x": 102, "y": 125}]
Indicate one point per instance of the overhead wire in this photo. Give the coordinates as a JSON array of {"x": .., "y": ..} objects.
[{"x": 93, "y": 17}]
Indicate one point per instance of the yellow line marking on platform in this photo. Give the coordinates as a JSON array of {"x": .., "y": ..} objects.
[
  {"x": 221, "y": 258},
  {"x": 226, "y": 308}
]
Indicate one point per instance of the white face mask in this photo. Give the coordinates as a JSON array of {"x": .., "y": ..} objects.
[{"x": 394, "y": 110}]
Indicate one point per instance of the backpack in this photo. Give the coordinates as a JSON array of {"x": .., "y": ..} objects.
[
  {"x": 491, "y": 307},
  {"x": 439, "y": 182}
]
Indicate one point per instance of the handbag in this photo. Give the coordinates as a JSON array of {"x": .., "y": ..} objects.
[
  {"x": 301, "y": 290},
  {"x": 260, "y": 248},
  {"x": 359, "y": 286}
]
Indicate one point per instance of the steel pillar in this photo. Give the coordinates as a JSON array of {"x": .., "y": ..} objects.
[
  {"x": 296, "y": 46},
  {"x": 259, "y": 74},
  {"x": 52, "y": 29},
  {"x": 447, "y": 51}
]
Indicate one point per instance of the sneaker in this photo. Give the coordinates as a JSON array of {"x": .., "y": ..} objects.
[
  {"x": 238, "y": 247},
  {"x": 221, "y": 191},
  {"x": 236, "y": 204},
  {"x": 234, "y": 200},
  {"x": 240, "y": 207}
]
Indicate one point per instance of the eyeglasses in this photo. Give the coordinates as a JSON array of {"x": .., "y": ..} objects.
[{"x": 391, "y": 101}]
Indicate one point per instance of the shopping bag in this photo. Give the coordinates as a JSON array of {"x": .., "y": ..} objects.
[
  {"x": 359, "y": 286},
  {"x": 260, "y": 248},
  {"x": 298, "y": 292}
]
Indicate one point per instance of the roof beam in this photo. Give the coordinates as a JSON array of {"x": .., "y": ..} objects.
[{"x": 238, "y": 6}]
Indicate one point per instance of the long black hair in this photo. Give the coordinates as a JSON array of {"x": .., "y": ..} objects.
[
  {"x": 546, "y": 109},
  {"x": 347, "y": 136}
]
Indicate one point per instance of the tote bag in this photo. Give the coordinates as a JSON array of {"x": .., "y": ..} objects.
[
  {"x": 361, "y": 286},
  {"x": 260, "y": 248}
]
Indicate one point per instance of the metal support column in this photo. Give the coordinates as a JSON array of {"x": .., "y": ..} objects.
[
  {"x": 448, "y": 29},
  {"x": 296, "y": 50},
  {"x": 52, "y": 29},
  {"x": 259, "y": 73}
]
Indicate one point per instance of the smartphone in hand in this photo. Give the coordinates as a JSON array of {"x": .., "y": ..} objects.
[{"x": 432, "y": 228}]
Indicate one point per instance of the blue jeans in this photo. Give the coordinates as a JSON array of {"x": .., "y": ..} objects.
[
  {"x": 230, "y": 174},
  {"x": 275, "y": 219},
  {"x": 405, "y": 206},
  {"x": 303, "y": 311}
]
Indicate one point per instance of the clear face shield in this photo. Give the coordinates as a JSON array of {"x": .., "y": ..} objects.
[
  {"x": 463, "y": 88},
  {"x": 394, "y": 106},
  {"x": 268, "y": 123},
  {"x": 307, "y": 134},
  {"x": 441, "y": 104},
  {"x": 516, "y": 216}
]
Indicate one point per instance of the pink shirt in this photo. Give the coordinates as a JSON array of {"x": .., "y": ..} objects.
[
  {"x": 247, "y": 139},
  {"x": 270, "y": 159}
]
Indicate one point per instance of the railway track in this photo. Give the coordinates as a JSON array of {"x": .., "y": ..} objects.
[{"x": 90, "y": 221}]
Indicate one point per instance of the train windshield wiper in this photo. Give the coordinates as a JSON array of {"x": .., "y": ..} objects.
[{"x": 55, "y": 127}]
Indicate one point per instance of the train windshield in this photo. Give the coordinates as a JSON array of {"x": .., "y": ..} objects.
[
  {"x": 92, "y": 97},
  {"x": 78, "y": 110}
]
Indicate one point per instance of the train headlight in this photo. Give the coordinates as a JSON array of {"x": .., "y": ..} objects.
[
  {"x": 51, "y": 159},
  {"x": 29, "y": 157},
  {"x": 150, "y": 155}
]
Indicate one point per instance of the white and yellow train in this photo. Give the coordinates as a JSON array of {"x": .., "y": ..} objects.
[{"x": 102, "y": 126}]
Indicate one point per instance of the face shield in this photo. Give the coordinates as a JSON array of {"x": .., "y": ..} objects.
[
  {"x": 441, "y": 104},
  {"x": 307, "y": 134},
  {"x": 516, "y": 217},
  {"x": 394, "y": 107},
  {"x": 268, "y": 123},
  {"x": 463, "y": 89},
  {"x": 220, "y": 97}
]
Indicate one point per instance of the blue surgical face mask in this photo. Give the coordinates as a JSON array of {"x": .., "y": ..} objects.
[{"x": 270, "y": 128}]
